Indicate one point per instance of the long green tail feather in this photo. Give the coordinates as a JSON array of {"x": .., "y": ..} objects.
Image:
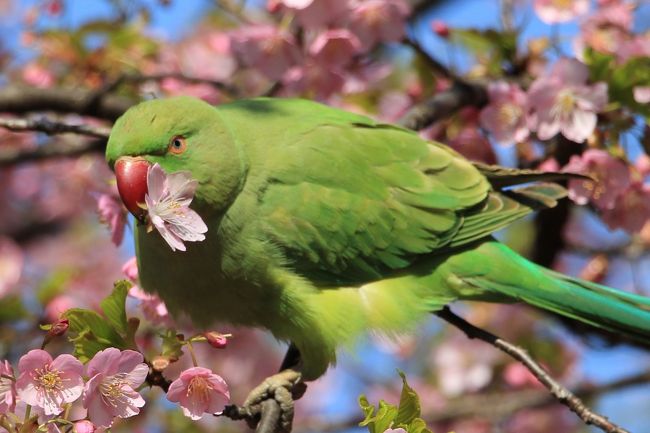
[{"x": 495, "y": 272}]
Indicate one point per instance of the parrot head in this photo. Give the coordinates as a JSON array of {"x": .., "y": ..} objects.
[{"x": 180, "y": 134}]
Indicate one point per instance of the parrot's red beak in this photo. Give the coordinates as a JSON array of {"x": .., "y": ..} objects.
[{"x": 131, "y": 174}]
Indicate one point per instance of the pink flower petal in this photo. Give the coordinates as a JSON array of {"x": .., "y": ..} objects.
[
  {"x": 155, "y": 182},
  {"x": 105, "y": 362},
  {"x": 69, "y": 364},
  {"x": 33, "y": 360}
]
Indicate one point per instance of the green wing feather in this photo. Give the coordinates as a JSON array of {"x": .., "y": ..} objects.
[
  {"x": 353, "y": 202},
  {"x": 359, "y": 201}
]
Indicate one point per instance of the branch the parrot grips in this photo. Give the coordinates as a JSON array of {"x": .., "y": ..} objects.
[{"x": 160, "y": 200}]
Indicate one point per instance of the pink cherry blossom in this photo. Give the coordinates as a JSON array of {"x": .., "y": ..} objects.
[
  {"x": 642, "y": 94},
  {"x": 549, "y": 164},
  {"x": 642, "y": 165},
  {"x": 518, "y": 376},
  {"x": 130, "y": 269},
  {"x": 563, "y": 102},
  {"x": 313, "y": 80},
  {"x": 198, "y": 390},
  {"x": 614, "y": 13},
  {"x": 375, "y": 21},
  {"x": 608, "y": 29},
  {"x": 59, "y": 305},
  {"x": 112, "y": 213},
  {"x": 462, "y": 367},
  {"x": 111, "y": 391},
  {"x": 471, "y": 143},
  {"x": 611, "y": 177},
  {"x": 559, "y": 11},
  {"x": 266, "y": 48},
  {"x": 47, "y": 383},
  {"x": 7, "y": 388},
  {"x": 505, "y": 116},
  {"x": 334, "y": 48},
  {"x": 38, "y": 76},
  {"x": 11, "y": 264},
  {"x": 637, "y": 46},
  {"x": 631, "y": 211},
  {"x": 313, "y": 14},
  {"x": 168, "y": 200},
  {"x": 152, "y": 306}
]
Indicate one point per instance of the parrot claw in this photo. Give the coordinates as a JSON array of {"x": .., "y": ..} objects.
[{"x": 284, "y": 388}]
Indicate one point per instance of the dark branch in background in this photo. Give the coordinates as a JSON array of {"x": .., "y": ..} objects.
[
  {"x": 10, "y": 156},
  {"x": 435, "y": 65},
  {"x": 443, "y": 104},
  {"x": 462, "y": 93},
  {"x": 20, "y": 99},
  {"x": 101, "y": 103},
  {"x": 50, "y": 127},
  {"x": 562, "y": 394},
  {"x": 549, "y": 239}
]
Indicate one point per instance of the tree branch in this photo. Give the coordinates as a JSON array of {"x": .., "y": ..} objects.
[
  {"x": 562, "y": 394},
  {"x": 21, "y": 99},
  {"x": 431, "y": 61},
  {"x": 443, "y": 104},
  {"x": 51, "y": 127},
  {"x": 10, "y": 156}
]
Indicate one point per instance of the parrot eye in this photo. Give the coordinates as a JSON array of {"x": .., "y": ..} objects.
[{"x": 177, "y": 145}]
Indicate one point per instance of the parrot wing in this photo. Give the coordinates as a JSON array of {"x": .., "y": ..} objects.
[{"x": 353, "y": 203}]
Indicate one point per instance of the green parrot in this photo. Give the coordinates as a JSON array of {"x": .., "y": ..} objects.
[{"x": 323, "y": 225}]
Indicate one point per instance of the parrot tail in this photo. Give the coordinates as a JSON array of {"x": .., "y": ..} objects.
[{"x": 506, "y": 274}]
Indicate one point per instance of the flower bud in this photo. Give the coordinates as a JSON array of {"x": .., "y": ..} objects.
[
  {"x": 440, "y": 28},
  {"x": 59, "y": 328},
  {"x": 84, "y": 426},
  {"x": 216, "y": 340}
]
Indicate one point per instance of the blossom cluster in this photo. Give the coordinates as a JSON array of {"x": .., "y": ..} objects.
[
  {"x": 107, "y": 388},
  {"x": 314, "y": 48},
  {"x": 560, "y": 102}
]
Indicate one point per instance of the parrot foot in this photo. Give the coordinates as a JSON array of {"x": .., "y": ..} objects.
[{"x": 276, "y": 393}]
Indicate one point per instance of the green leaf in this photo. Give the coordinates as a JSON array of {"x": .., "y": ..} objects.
[
  {"x": 90, "y": 333},
  {"x": 491, "y": 47},
  {"x": 114, "y": 307},
  {"x": 418, "y": 426},
  {"x": 406, "y": 416},
  {"x": 382, "y": 420},
  {"x": 409, "y": 403},
  {"x": 621, "y": 79},
  {"x": 172, "y": 345}
]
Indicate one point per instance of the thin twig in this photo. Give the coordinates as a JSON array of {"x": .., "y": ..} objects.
[
  {"x": 562, "y": 394},
  {"x": 52, "y": 127},
  {"x": 431, "y": 61}
]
